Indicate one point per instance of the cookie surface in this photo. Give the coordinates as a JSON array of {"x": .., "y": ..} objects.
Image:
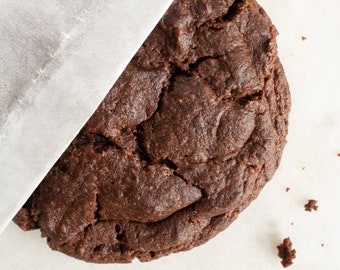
[{"x": 184, "y": 141}]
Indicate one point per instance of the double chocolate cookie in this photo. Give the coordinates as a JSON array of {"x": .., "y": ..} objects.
[{"x": 183, "y": 142}]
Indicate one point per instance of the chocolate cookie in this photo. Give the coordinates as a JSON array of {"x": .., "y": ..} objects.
[{"x": 184, "y": 141}]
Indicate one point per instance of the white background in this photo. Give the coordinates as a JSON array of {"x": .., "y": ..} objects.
[{"x": 313, "y": 71}]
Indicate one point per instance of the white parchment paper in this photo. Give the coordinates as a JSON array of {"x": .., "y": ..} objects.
[{"x": 59, "y": 59}]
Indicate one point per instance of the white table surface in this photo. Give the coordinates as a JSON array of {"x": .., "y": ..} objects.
[{"x": 313, "y": 70}]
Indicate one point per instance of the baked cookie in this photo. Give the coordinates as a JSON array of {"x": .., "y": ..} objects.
[{"x": 184, "y": 141}]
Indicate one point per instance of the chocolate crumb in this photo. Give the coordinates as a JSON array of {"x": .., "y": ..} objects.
[
  {"x": 303, "y": 38},
  {"x": 292, "y": 223},
  {"x": 311, "y": 205},
  {"x": 286, "y": 253},
  {"x": 322, "y": 245},
  {"x": 339, "y": 155},
  {"x": 287, "y": 189}
]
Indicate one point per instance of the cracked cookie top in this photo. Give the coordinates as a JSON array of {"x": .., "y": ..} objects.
[{"x": 185, "y": 139}]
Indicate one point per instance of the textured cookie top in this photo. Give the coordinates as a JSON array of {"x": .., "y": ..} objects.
[{"x": 185, "y": 139}]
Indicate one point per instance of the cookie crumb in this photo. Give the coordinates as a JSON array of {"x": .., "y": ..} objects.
[
  {"x": 292, "y": 223},
  {"x": 311, "y": 205},
  {"x": 339, "y": 155},
  {"x": 303, "y": 38},
  {"x": 322, "y": 244},
  {"x": 286, "y": 253},
  {"x": 287, "y": 189},
  {"x": 303, "y": 168}
]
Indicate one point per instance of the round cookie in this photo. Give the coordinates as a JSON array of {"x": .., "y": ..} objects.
[{"x": 184, "y": 141}]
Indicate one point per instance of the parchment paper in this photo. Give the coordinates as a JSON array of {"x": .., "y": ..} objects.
[{"x": 59, "y": 59}]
